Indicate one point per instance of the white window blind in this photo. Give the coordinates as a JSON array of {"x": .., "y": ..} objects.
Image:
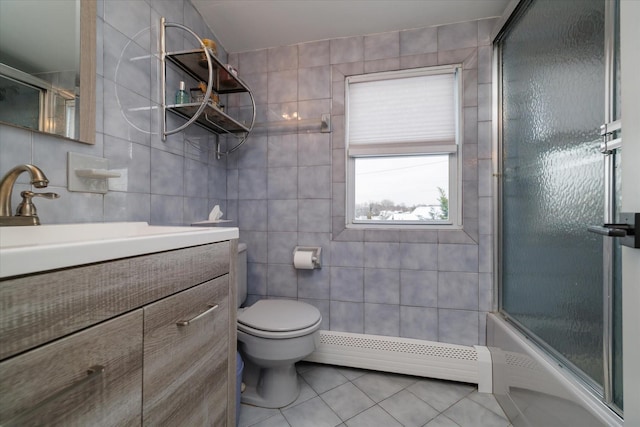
[{"x": 403, "y": 115}]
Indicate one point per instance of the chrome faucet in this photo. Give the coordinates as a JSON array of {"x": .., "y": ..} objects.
[{"x": 26, "y": 213}]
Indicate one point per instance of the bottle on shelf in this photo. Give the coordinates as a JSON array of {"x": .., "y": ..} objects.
[{"x": 182, "y": 97}]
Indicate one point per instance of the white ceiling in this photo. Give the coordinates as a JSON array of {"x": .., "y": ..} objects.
[{"x": 244, "y": 25}]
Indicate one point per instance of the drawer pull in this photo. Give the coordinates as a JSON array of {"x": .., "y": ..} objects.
[
  {"x": 204, "y": 313},
  {"x": 21, "y": 419}
]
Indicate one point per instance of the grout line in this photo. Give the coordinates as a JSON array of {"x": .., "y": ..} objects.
[{"x": 365, "y": 372}]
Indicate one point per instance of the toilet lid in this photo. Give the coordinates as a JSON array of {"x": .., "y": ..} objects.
[{"x": 279, "y": 315}]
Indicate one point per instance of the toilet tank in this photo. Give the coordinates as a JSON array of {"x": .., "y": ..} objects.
[{"x": 241, "y": 274}]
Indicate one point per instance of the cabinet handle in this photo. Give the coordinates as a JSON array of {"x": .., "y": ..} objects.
[
  {"x": 204, "y": 313},
  {"x": 26, "y": 416}
]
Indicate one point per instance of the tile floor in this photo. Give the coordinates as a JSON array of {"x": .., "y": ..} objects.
[{"x": 337, "y": 396}]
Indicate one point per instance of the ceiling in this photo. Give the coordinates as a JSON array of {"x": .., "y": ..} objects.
[{"x": 244, "y": 25}]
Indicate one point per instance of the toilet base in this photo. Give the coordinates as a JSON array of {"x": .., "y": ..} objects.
[{"x": 270, "y": 387}]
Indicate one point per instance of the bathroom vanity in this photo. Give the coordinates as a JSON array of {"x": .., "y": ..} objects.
[{"x": 141, "y": 337}]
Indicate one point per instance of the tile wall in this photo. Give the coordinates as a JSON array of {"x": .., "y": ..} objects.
[
  {"x": 288, "y": 189},
  {"x": 177, "y": 181}
]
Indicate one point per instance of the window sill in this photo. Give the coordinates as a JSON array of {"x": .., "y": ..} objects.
[{"x": 377, "y": 226}]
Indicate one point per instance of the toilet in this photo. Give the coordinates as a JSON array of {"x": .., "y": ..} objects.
[{"x": 273, "y": 334}]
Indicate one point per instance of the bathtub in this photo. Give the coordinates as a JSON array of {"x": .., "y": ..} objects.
[{"x": 533, "y": 389}]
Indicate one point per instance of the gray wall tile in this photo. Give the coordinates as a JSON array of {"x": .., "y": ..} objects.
[
  {"x": 196, "y": 178},
  {"x": 282, "y": 86},
  {"x": 257, "y": 278},
  {"x": 313, "y": 54},
  {"x": 381, "y": 255},
  {"x": 282, "y": 150},
  {"x": 382, "y": 285},
  {"x": 283, "y": 183},
  {"x": 420, "y": 60},
  {"x": 380, "y": 65},
  {"x": 458, "y": 36},
  {"x": 382, "y": 46},
  {"x": 256, "y": 245},
  {"x": 419, "y": 41},
  {"x": 282, "y": 58},
  {"x": 458, "y": 290},
  {"x": 458, "y": 326},
  {"x": 458, "y": 258},
  {"x": 347, "y": 284},
  {"x": 282, "y": 215},
  {"x": 128, "y": 20},
  {"x": 314, "y": 149},
  {"x": 315, "y": 283},
  {"x": 120, "y": 206},
  {"x": 347, "y": 254},
  {"x": 280, "y": 247},
  {"x": 252, "y": 184},
  {"x": 314, "y": 182},
  {"x": 314, "y": 82},
  {"x": 281, "y": 281},
  {"x": 419, "y": 256},
  {"x": 419, "y": 323},
  {"x": 419, "y": 288},
  {"x": 347, "y": 317},
  {"x": 349, "y": 49},
  {"x": 485, "y": 292},
  {"x": 252, "y": 215},
  {"x": 314, "y": 215},
  {"x": 252, "y": 62},
  {"x": 253, "y": 154},
  {"x": 382, "y": 319},
  {"x": 485, "y": 27},
  {"x": 163, "y": 181},
  {"x": 166, "y": 210}
]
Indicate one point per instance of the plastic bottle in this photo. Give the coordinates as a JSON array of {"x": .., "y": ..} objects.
[{"x": 182, "y": 97}]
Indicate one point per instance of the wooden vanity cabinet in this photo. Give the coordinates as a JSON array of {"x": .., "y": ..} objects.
[
  {"x": 185, "y": 357},
  {"x": 93, "y": 377},
  {"x": 126, "y": 342}
]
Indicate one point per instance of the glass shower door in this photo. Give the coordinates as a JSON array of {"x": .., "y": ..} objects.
[{"x": 553, "y": 97}]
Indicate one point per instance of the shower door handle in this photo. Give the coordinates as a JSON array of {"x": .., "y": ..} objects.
[
  {"x": 609, "y": 230},
  {"x": 625, "y": 229}
]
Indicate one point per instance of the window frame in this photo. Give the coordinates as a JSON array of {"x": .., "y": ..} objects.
[{"x": 408, "y": 149}]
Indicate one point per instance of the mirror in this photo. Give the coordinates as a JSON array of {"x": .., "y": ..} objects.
[{"x": 48, "y": 66}]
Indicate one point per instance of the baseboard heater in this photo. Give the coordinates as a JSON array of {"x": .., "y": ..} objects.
[{"x": 406, "y": 356}]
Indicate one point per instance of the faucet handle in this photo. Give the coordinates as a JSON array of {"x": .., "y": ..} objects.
[{"x": 26, "y": 207}]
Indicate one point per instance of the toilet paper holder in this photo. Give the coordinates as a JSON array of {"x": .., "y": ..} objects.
[{"x": 316, "y": 254}]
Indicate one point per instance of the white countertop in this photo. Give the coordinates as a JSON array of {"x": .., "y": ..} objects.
[{"x": 33, "y": 249}]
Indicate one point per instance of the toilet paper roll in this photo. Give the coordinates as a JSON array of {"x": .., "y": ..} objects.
[{"x": 303, "y": 260}]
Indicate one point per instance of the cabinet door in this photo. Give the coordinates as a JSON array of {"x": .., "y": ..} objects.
[
  {"x": 42, "y": 307},
  {"x": 186, "y": 357},
  {"x": 92, "y": 377}
]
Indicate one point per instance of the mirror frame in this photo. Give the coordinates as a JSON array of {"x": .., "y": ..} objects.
[
  {"x": 88, "y": 12},
  {"x": 87, "y": 104}
]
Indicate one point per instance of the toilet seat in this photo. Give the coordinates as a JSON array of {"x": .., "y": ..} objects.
[{"x": 277, "y": 319}]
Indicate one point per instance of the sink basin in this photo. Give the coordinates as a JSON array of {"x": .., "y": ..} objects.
[{"x": 25, "y": 250}]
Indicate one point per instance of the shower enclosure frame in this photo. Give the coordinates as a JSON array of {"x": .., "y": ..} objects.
[{"x": 604, "y": 393}]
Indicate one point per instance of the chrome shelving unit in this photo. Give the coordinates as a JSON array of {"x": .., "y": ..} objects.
[{"x": 220, "y": 80}]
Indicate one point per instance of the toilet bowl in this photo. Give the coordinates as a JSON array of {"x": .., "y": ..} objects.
[{"x": 273, "y": 335}]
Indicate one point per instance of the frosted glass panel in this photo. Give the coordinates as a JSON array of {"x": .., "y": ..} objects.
[{"x": 553, "y": 105}]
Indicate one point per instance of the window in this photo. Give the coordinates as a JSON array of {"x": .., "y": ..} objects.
[{"x": 403, "y": 160}]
